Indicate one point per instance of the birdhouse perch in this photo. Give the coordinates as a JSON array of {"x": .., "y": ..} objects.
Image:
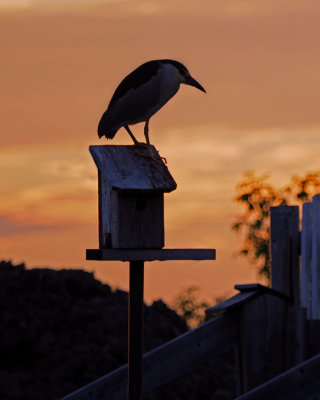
[{"x": 131, "y": 205}]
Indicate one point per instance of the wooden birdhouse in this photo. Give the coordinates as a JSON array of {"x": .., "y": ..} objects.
[{"x": 131, "y": 203}]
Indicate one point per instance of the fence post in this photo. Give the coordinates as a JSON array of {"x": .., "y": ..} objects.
[
  {"x": 285, "y": 251},
  {"x": 306, "y": 253},
  {"x": 315, "y": 291}
]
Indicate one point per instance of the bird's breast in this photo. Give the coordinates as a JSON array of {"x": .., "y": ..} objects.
[{"x": 165, "y": 86}]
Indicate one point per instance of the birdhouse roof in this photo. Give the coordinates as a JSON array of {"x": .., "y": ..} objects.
[{"x": 126, "y": 168}]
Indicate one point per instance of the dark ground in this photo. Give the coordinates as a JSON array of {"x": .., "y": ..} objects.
[{"x": 62, "y": 329}]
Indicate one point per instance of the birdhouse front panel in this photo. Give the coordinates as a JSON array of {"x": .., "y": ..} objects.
[{"x": 137, "y": 220}]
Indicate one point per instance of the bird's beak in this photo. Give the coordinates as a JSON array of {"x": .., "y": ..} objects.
[{"x": 192, "y": 82}]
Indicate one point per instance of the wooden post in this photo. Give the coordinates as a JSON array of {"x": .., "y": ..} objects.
[
  {"x": 135, "y": 337},
  {"x": 315, "y": 299},
  {"x": 262, "y": 339},
  {"x": 306, "y": 251},
  {"x": 131, "y": 228},
  {"x": 286, "y": 278},
  {"x": 285, "y": 251}
]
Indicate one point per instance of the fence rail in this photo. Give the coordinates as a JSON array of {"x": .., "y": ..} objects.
[
  {"x": 168, "y": 361},
  {"x": 300, "y": 382}
]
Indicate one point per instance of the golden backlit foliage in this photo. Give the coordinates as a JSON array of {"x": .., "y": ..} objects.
[
  {"x": 256, "y": 195},
  {"x": 188, "y": 305}
]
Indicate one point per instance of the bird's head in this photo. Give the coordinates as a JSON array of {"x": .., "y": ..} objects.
[{"x": 185, "y": 77}]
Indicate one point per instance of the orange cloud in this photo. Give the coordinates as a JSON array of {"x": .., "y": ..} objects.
[{"x": 259, "y": 64}]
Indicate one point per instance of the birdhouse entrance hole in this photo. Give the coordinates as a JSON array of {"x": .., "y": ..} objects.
[{"x": 141, "y": 204}]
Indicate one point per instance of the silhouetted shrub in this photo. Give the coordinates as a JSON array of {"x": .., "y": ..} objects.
[{"x": 63, "y": 329}]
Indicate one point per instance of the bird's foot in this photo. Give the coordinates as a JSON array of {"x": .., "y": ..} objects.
[
  {"x": 141, "y": 144},
  {"x": 150, "y": 154},
  {"x": 164, "y": 160},
  {"x": 157, "y": 157}
]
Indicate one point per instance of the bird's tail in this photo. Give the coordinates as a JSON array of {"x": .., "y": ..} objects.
[{"x": 106, "y": 127}]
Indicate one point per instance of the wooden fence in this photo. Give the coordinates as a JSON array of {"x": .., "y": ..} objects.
[
  {"x": 298, "y": 383},
  {"x": 272, "y": 329},
  {"x": 296, "y": 273},
  {"x": 296, "y": 255},
  {"x": 168, "y": 361}
]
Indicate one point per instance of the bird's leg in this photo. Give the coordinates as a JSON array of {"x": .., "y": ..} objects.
[
  {"x": 154, "y": 156},
  {"x": 146, "y": 134},
  {"x": 126, "y": 127},
  {"x": 132, "y": 136}
]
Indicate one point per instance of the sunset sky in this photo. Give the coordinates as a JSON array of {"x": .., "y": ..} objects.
[{"x": 259, "y": 61}]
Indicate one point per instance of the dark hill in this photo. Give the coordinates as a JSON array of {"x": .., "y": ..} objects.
[{"x": 62, "y": 329}]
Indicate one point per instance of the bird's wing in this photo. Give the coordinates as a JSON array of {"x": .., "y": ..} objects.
[{"x": 134, "y": 80}]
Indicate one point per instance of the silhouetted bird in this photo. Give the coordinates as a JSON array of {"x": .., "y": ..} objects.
[{"x": 141, "y": 94}]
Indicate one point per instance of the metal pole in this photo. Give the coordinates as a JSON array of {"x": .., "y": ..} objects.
[{"x": 135, "y": 332}]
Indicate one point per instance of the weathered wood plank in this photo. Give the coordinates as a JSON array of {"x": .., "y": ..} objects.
[
  {"x": 104, "y": 201},
  {"x": 306, "y": 253},
  {"x": 296, "y": 326},
  {"x": 234, "y": 301},
  {"x": 249, "y": 287},
  {"x": 263, "y": 336},
  {"x": 150, "y": 254},
  {"x": 138, "y": 220},
  {"x": 127, "y": 168},
  {"x": 313, "y": 335},
  {"x": 315, "y": 291},
  {"x": 248, "y": 293},
  {"x": 238, "y": 369},
  {"x": 299, "y": 383},
  {"x": 168, "y": 361},
  {"x": 285, "y": 251}
]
